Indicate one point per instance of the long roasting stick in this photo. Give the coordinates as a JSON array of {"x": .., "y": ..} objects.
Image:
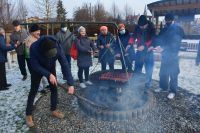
[{"x": 83, "y": 98}]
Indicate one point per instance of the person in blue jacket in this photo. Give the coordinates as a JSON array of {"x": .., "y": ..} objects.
[
  {"x": 3, "y": 59},
  {"x": 124, "y": 48},
  {"x": 106, "y": 46},
  {"x": 170, "y": 41},
  {"x": 43, "y": 55}
]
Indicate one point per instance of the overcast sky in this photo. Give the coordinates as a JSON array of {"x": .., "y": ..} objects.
[{"x": 137, "y": 5}]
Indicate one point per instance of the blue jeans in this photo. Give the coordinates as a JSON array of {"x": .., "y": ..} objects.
[{"x": 149, "y": 63}]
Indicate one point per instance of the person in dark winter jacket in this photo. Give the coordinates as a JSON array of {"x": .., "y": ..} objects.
[
  {"x": 198, "y": 55},
  {"x": 170, "y": 41},
  {"x": 65, "y": 38},
  {"x": 124, "y": 47},
  {"x": 3, "y": 59},
  {"x": 145, "y": 34},
  {"x": 18, "y": 36},
  {"x": 43, "y": 54},
  {"x": 85, "y": 49},
  {"x": 106, "y": 46}
]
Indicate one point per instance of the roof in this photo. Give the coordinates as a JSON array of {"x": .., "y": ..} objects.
[{"x": 179, "y": 7}]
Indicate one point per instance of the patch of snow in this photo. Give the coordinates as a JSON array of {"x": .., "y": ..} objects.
[{"x": 13, "y": 101}]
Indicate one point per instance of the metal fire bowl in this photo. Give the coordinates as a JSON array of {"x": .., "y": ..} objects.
[{"x": 124, "y": 101}]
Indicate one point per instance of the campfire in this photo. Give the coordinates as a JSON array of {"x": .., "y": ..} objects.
[{"x": 121, "y": 93}]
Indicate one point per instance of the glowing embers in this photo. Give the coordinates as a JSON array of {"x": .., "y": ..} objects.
[{"x": 116, "y": 76}]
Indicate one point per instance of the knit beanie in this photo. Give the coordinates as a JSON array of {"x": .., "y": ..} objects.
[
  {"x": 15, "y": 23},
  {"x": 121, "y": 25},
  {"x": 34, "y": 28},
  {"x": 142, "y": 20},
  {"x": 169, "y": 17},
  {"x": 81, "y": 28}
]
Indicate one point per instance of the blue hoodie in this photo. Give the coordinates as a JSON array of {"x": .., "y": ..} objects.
[{"x": 44, "y": 66}]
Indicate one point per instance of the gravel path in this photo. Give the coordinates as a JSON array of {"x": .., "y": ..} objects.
[{"x": 180, "y": 115}]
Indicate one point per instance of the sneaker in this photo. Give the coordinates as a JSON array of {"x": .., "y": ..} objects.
[
  {"x": 24, "y": 78},
  {"x": 82, "y": 85},
  {"x": 58, "y": 114},
  {"x": 29, "y": 121},
  {"x": 88, "y": 82},
  {"x": 158, "y": 90},
  {"x": 171, "y": 95}
]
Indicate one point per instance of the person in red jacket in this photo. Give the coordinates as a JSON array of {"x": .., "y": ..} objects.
[{"x": 144, "y": 34}]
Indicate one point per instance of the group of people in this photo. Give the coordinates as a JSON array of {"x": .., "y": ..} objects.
[{"x": 41, "y": 53}]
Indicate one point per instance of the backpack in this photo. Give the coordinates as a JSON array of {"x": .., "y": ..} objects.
[{"x": 74, "y": 51}]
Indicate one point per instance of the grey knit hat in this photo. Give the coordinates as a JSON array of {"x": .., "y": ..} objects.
[{"x": 81, "y": 28}]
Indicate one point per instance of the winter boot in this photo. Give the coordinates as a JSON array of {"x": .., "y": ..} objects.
[
  {"x": 29, "y": 121},
  {"x": 58, "y": 114}
]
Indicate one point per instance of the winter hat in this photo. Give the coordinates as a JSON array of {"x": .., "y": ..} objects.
[
  {"x": 142, "y": 20},
  {"x": 63, "y": 25},
  {"x": 103, "y": 28},
  {"x": 34, "y": 28},
  {"x": 48, "y": 47},
  {"x": 81, "y": 28},
  {"x": 16, "y": 23},
  {"x": 169, "y": 17},
  {"x": 121, "y": 25}
]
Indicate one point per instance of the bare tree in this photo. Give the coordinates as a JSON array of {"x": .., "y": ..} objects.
[
  {"x": 22, "y": 12},
  {"x": 100, "y": 13},
  {"x": 128, "y": 10},
  {"x": 114, "y": 10},
  {"x": 6, "y": 12},
  {"x": 45, "y": 8},
  {"x": 82, "y": 13}
]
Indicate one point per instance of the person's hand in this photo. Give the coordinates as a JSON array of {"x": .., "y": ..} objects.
[
  {"x": 7, "y": 45},
  {"x": 159, "y": 49},
  {"x": 91, "y": 52},
  {"x": 127, "y": 47},
  {"x": 101, "y": 47},
  {"x": 150, "y": 49},
  {"x": 53, "y": 80},
  {"x": 108, "y": 45},
  {"x": 140, "y": 48},
  {"x": 118, "y": 55},
  {"x": 71, "y": 90}
]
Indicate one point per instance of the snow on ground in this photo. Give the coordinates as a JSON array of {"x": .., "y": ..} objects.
[{"x": 13, "y": 101}]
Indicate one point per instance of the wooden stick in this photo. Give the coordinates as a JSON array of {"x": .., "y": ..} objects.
[{"x": 83, "y": 98}]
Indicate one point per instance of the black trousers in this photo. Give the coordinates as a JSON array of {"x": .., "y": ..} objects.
[
  {"x": 105, "y": 62},
  {"x": 22, "y": 64},
  {"x": 3, "y": 80},
  {"x": 80, "y": 73},
  {"x": 29, "y": 64},
  {"x": 169, "y": 75},
  {"x": 35, "y": 81}
]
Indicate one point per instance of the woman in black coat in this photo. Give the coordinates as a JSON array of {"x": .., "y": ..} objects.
[
  {"x": 85, "y": 49},
  {"x": 3, "y": 59}
]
